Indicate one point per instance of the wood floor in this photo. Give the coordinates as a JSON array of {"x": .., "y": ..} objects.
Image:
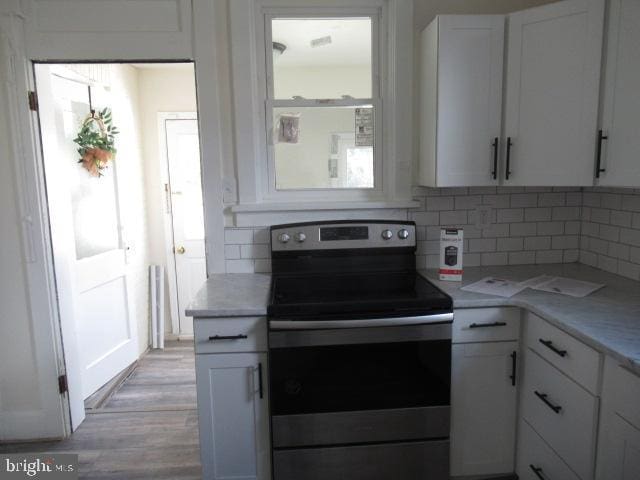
[{"x": 147, "y": 429}]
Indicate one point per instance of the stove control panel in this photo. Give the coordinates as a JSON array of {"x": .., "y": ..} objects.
[{"x": 342, "y": 235}]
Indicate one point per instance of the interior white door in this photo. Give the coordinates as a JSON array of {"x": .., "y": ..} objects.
[
  {"x": 99, "y": 333},
  {"x": 183, "y": 154},
  {"x": 470, "y": 58},
  {"x": 553, "y": 75},
  {"x": 483, "y": 404},
  {"x": 621, "y": 109}
]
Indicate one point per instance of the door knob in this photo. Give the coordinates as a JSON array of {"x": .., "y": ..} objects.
[{"x": 180, "y": 250}]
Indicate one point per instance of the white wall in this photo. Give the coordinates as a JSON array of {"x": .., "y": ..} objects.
[{"x": 170, "y": 89}]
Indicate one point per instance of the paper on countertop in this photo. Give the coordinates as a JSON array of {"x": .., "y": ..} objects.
[
  {"x": 495, "y": 286},
  {"x": 544, "y": 283},
  {"x": 565, "y": 286}
]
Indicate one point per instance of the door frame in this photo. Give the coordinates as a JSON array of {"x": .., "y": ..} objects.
[
  {"x": 167, "y": 217},
  {"x": 22, "y": 44}
]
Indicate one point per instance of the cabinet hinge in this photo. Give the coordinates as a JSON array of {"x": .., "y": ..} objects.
[
  {"x": 33, "y": 101},
  {"x": 62, "y": 384}
]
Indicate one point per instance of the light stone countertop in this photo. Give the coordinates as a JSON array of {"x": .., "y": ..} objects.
[
  {"x": 232, "y": 295},
  {"x": 608, "y": 320}
]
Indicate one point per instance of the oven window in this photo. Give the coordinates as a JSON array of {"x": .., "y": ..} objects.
[{"x": 342, "y": 378}]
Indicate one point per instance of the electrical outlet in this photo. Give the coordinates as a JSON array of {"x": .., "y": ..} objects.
[{"x": 483, "y": 216}]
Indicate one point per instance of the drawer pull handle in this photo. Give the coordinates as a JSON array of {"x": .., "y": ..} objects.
[
  {"x": 227, "y": 337},
  {"x": 514, "y": 356},
  {"x": 549, "y": 345},
  {"x": 260, "y": 386},
  {"x": 537, "y": 471},
  {"x": 543, "y": 397},
  {"x": 486, "y": 325}
]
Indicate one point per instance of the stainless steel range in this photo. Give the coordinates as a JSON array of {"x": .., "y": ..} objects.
[{"x": 359, "y": 353}]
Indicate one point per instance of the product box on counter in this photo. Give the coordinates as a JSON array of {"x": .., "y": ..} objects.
[{"x": 451, "y": 242}]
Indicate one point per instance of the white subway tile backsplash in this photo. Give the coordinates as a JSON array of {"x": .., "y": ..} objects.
[
  {"x": 551, "y": 200},
  {"x": 509, "y": 244},
  {"x": 482, "y": 245},
  {"x": 522, "y": 258},
  {"x": 495, "y": 258},
  {"x": 537, "y": 243},
  {"x": 467, "y": 202},
  {"x": 525, "y": 229},
  {"x": 510, "y": 215},
  {"x": 255, "y": 251},
  {"x": 550, "y": 228},
  {"x": 524, "y": 200},
  {"x": 537, "y": 215},
  {"x": 595, "y": 226},
  {"x": 238, "y": 236},
  {"x": 549, "y": 256},
  {"x": 566, "y": 213},
  {"x": 439, "y": 203},
  {"x": 231, "y": 252},
  {"x": 453, "y": 218},
  {"x": 240, "y": 266}
]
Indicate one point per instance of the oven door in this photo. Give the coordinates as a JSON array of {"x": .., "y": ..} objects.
[{"x": 360, "y": 385}]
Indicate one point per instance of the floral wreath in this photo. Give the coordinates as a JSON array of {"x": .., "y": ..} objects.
[{"x": 96, "y": 141}]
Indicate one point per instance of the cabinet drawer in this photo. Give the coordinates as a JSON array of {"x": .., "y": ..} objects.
[
  {"x": 562, "y": 412},
  {"x": 571, "y": 356},
  {"x": 224, "y": 335},
  {"x": 472, "y": 325},
  {"x": 535, "y": 454}
]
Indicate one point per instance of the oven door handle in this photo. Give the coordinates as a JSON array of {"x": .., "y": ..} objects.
[{"x": 364, "y": 323}]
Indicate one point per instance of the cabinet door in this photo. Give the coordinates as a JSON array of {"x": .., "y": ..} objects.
[
  {"x": 623, "y": 462},
  {"x": 621, "y": 109},
  {"x": 233, "y": 418},
  {"x": 470, "y": 73},
  {"x": 553, "y": 75},
  {"x": 483, "y": 403}
]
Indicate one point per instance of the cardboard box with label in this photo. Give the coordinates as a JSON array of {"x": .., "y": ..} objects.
[{"x": 451, "y": 241}]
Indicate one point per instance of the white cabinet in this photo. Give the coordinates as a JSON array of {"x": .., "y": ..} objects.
[
  {"x": 552, "y": 89},
  {"x": 483, "y": 402},
  {"x": 619, "y": 442},
  {"x": 233, "y": 416},
  {"x": 619, "y": 165},
  {"x": 461, "y": 76}
]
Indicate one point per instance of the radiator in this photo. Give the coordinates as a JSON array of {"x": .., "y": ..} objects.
[{"x": 156, "y": 282}]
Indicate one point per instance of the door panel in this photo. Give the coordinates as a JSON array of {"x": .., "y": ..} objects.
[
  {"x": 183, "y": 154},
  {"x": 234, "y": 419},
  {"x": 469, "y": 97},
  {"x": 622, "y": 96},
  {"x": 483, "y": 404},
  {"x": 89, "y": 254},
  {"x": 553, "y": 75}
]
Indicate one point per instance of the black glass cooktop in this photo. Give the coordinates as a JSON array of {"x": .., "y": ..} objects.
[{"x": 355, "y": 295}]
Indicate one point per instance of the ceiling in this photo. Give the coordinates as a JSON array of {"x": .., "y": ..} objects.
[{"x": 350, "y": 41}]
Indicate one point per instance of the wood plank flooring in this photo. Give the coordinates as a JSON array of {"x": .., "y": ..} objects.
[{"x": 147, "y": 429}]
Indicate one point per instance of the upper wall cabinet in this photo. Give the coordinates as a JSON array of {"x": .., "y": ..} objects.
[
  {"x": 461, "y": 76},
  {"x": 553, "y": 76},
  {"x": 619, "y": 161}
]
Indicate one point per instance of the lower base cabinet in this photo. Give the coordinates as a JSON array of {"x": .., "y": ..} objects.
[
  {"x": 536, "y": 460},
  {"x": 233, "y": 416},
  {"x": 619, "y": 442},
  {"x": 483, "y": 403}
]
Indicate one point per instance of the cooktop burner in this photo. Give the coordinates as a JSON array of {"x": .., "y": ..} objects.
[
  {"x": 351, "y": 294},
  {"x": 349, "y": 269}
]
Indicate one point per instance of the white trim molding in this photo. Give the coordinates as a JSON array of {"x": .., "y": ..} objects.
[{"x": 395, "y": 71}]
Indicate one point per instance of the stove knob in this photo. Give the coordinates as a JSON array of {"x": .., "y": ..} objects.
[
  {"x": 300, "y": 237},
  {"x": 284, "y": 237},
  {"x": 387, "y": 234},
  {"x": 403, "y": 234}
]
